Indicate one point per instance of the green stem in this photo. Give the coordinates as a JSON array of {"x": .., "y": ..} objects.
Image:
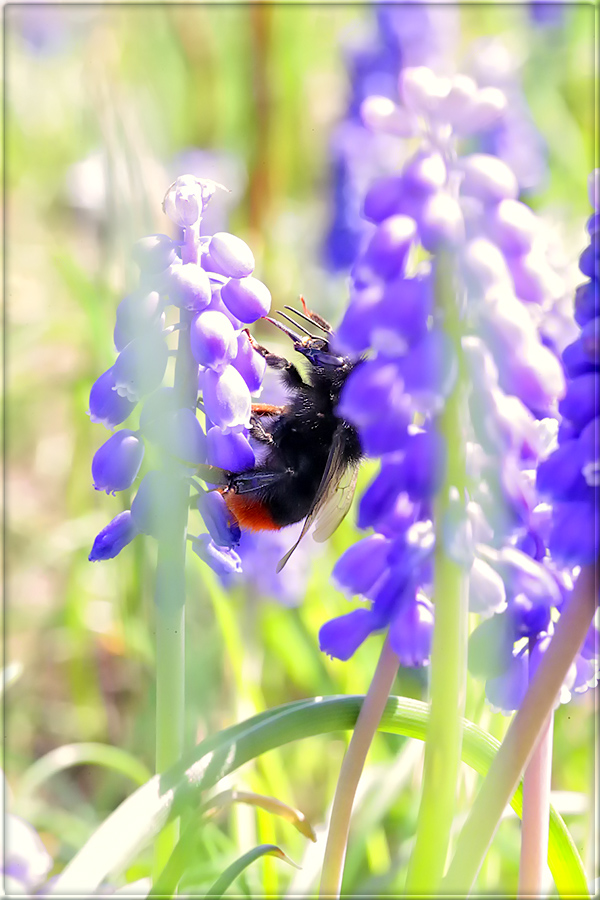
[
  {"x": 449, "y": 645},
  {"x": 366, "y": 725},
  {"x": 170, "y": 609},
  {"x": 522, "y": 736}
]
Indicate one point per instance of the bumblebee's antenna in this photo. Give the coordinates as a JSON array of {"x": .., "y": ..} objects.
[
  {"x": 308, "y": 319},
  {"x": 295, "y": 324}
]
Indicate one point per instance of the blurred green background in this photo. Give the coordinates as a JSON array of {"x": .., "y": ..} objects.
[{"x": 105, "y": 106}]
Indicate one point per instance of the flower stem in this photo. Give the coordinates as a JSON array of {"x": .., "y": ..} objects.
[
  {"x": 533, "y": 866},
  {"x": 170, "y": 609},
  {"x": 449, "y": 645},
  {"x": 351, "y": 770},
  {"x": 522, "y": 736}
]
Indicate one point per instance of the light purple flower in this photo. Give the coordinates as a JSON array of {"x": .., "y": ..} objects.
[{"x": 117, "y": 462}]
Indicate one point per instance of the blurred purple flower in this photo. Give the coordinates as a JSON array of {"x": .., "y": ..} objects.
[
  {"x": 468, "y": 205},
  {"x": 25, "y": 862}
]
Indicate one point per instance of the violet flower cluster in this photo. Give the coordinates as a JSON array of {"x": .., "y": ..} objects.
[
  {"x": 209, "y": 280},
  {"x": 570, "y": 477},
  {"x": 409, "y": 35},
  {"x": 405, "y": 34},
  {"x": 440, "y": 205}
]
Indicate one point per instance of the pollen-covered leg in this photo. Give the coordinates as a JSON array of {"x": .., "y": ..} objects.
[{"x": 266, "y": 409}]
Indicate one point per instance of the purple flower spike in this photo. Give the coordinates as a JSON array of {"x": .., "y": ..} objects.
[
  {"x": 250, "y": 364},
  {"x": 137, "y": 314},
  {"x": 222, "y": 560},
  {"x": 117, "y": 462},
  {"x": 533, "y": 278},
  {"x": 371, "y": 392},
  {"x": 384, "y": 198},
  {"x": 513, "y": 226},
  {"x": 360, "y": 567},
  {"x": 388, "y": 248},
  {"x": 399, "y": 320},
  {"x": 540, "y": 647},
  {"x": 419, "y": 89},
  {"x": 575, "y": 358},
  {"x": 353, "y": 334},
  {"x": 560, "y": 475},
  {"x": 487, "y": 108},
  {"x": 246, "y": 298},
  {"x": 575, "y": 533},
  {"x": 230, "y": 451},
  {"x": 188, "y": 286},
  {"x": 106, "y": 406},
  {"x": 187, "y": 198},
  {"x": 521, "y": 574},
  {"x": 233, "y": 256},
  {"x": 488, "y": 178},
  {"x": 213, "y": 339},
  {"x": 487, "y": 594},
  {"x": 441, "y": 222},
  {"x": 424, "y": 464},
  {"x": 155, "y": 253},
  {"x": 341, "y": 637},
  {"x": 227, "y": 398},
  {"x": 222, "y": 527},
  {"x": 140, "y": 367},
  {"x": 116, "y": 535},
  {"x": 536, "y": 376},
  {"x": 506, "y": 691},
  {"x": 389, "y": 435},
  {"x": 484, "y": 266},
  {"x": 411, "y": 631},
  {"x": 425, "y": 173},
  {"x": 528, "y": 617},
  {"x": 429, "y": 370},
  {"x": 587, "y": 302},
  {"x": 382, "y": 494},
  {"x": 25, "y": 860},
  {"x": 580, "y": 405}
]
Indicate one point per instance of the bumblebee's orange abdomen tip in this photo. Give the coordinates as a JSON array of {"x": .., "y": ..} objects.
[{"x": 249, "y": 513}]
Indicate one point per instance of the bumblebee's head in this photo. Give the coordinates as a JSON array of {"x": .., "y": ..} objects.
[{"x": 315, "y": 349}]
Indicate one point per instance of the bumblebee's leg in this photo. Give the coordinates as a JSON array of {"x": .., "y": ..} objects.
[
  {"x": 289, "y": 372},
  {"x": 247, "y": 482},
  {"x": 266, "y": 409},
  {"x": 258, "y": 432}
]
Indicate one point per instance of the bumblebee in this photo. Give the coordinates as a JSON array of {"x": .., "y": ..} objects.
[{"x": 311, "y": 456}]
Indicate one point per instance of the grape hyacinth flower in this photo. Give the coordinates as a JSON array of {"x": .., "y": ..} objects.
[
  {"x": 459, "y": 396},
  {"x": 467, "y": 206},
  {"x": 210, "y": 280},
  {"x": 405, "y": 35}
]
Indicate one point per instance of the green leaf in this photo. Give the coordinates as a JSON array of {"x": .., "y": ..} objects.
[
  {"x": 70, "y": 755},
  {"x": 237, "y": 867},
  {"x": 147, "y": 810}
]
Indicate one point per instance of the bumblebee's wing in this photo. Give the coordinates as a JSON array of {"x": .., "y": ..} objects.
[
  {"x": 334, "y": 470},
  {"x": 336, "y": 506}
]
